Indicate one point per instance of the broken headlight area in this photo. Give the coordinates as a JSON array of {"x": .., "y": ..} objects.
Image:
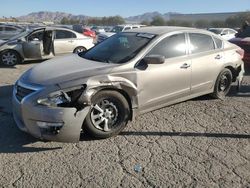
[{"x": 66, "y": 98}]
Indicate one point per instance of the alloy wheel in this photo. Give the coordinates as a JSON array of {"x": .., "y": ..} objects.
[
  {"x": 9, "y": 58},
  {"x": 104, "y": 115}
]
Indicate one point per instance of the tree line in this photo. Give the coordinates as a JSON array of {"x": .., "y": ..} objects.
[
  {"x": 235, "y": 21},
  {"x": 232, "y": 22},
  {"x": 112, "y": 20}
]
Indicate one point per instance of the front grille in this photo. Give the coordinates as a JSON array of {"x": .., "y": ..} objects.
[{"x": 22, "y": 92}]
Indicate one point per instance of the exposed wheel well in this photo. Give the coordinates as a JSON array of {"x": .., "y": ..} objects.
[
  {"x": 125, "y": 95},
  {"x": 234, "y": 72}
]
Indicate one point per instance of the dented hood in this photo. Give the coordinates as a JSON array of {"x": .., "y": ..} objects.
[{"x": 65, "y": 68}]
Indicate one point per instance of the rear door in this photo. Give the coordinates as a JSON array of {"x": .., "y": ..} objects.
[
  {"x": 64, "y": 41},
  {"x": 206, "y": 61}
]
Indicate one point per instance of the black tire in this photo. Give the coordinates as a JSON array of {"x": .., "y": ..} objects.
[
  {"x": 9, "y": 58},
  {"x": 79, "y": 50},
  {"x": 120, "y": 116},
  {"x": 223, "y": 84}
]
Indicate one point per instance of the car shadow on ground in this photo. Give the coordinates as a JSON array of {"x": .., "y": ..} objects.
[
  {"x": 185, "y": 134},
  {"x": 12, "y": 140}
]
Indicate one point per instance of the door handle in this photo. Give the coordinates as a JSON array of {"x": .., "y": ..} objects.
[
  {"x": 218, "y": 56},
  {"x": 185, "y": 66},
  {"x": 70, "y": 41}
]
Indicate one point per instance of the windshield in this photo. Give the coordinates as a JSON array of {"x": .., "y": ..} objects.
[
  {"x": 119, "y": 48},
  {"x": 23, "y": 34},
  {"x": 117, "y": 29},
  {"x": 216, "y": 31}
]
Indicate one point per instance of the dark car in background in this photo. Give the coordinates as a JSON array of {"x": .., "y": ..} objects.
[{"x": 243, "y": 40}]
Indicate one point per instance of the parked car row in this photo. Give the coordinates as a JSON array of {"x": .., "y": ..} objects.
[
  {"x": 15, "y": 50},
  {"x": 119, "y": 28}
]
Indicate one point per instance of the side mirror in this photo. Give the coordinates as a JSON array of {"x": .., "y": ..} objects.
[{"x": 154, "y": 59}]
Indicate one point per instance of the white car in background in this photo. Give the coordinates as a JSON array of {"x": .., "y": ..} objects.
[
  {"x": 117, "y": 29},
  {"x": 42, "y": 43},
  {"x": 225, "y": 33}
]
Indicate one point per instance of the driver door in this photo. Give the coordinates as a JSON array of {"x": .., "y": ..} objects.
[
  {"x": 160, "y": 84},
  {"x": 33, "y": 46}
]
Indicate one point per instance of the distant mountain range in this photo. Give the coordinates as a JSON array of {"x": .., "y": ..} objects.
[
  {"x": 50, "y": 17},
  {"x": 58, "y": 16},
  {"x": 182, "y": 17}
]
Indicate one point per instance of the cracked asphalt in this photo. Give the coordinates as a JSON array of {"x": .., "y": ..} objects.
[{"x": 199, "y": 143}]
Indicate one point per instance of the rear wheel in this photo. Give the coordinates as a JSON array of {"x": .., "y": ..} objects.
[
  {"x": 108, "y": 116},
  {"x": 10, "y": 58},
  {"x": 223, "y": 84},
  {"x": 79, "y": 50}
]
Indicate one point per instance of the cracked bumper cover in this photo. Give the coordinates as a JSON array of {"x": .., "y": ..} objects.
[{"x": 26, "y": 116}]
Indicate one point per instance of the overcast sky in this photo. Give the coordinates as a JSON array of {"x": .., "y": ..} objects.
[{"x": 117, "y": 7}]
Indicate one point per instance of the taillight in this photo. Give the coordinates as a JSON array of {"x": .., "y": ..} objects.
[{"x": 240, "y": 52}]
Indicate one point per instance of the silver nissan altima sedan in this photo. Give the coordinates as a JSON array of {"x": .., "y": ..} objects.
[{"x": 130, "y": 73}]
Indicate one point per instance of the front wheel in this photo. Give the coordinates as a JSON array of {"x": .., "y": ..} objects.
[
  {"x": 223, "y": 84},
  {"x": 10, "y": 58},
  {"x": 108, "y": 116}
]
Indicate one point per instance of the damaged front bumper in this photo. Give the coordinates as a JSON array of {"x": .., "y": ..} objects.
[{"x": 50, "y": 123}]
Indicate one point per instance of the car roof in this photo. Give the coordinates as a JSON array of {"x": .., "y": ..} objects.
[
  {"x": 161, "y": 30},
  {"x": 52, "y": 28},
  {"x": 220, "y": 28},
  {"x": 10, "y": 25}
]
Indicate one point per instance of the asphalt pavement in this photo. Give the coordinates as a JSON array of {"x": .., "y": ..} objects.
[{"x": 199, "y": 143}]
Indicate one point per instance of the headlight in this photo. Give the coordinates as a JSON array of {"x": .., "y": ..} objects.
[
  {"x": 65, "y": 98},
  {"x": 55, "y": 99}
]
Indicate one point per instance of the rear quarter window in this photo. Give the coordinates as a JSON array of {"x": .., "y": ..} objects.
[
  {"x": 200, "y": 43},
  {"x": 218, "y": 43},
  {"x": 62, "y": 34}
]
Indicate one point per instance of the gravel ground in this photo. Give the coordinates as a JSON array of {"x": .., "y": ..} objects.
[{"x": 198, "y": 143}]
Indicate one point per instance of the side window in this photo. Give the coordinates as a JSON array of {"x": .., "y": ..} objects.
[
  {"x": 170, "y": 47},
  {"x": 224, "y": 32},
  {"x": 126, "y": 28},
  {"x": 200, "y": 43},
  {"x": 134, "y": 27},
  {"x": 62, "y": 34},
  {"x": 10, "y": 29},
  {"x": 231, "y": 32},
  {"x": 38, "y": 35},
  {"x": 218, "y": 42}
]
